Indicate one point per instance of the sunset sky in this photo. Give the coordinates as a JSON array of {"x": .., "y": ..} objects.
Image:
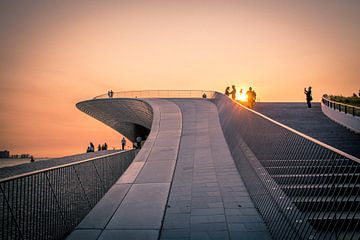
[{"x": 54, "y": 54}]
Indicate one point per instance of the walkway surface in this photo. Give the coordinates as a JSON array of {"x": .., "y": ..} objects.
[
  {"x": 313, "y": 123},
  {"x": 134, "y": 206},
  {"x": 208, "y": 199},
  {"x": 183, "y": 184}
]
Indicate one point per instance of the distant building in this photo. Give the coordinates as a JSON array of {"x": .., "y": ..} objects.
[
  {"x": 25, "y": 156},
  {"x": 4, "y": 154}
]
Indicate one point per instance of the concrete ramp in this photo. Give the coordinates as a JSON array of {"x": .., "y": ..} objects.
[
  {"x": 313, "y": 123},
  {"x": 208, "y": 199},
  {"x": 183, "y": 184},
  {"x": 134, "y": 207}
]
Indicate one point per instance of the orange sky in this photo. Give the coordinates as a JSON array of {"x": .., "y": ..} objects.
[{"x": 56, "y": 53}]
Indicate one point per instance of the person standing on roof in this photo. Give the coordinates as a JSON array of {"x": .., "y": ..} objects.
[
  {"x": 233, "y": 92},
  {"x": 309, "y": 98},
  {"x": 227, "y": 91}
]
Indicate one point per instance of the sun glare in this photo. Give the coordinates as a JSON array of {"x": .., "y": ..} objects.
[{"x": 241, "y": 96}]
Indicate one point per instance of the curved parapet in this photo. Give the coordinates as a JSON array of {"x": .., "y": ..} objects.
[
  {"x": 346, "y": 115},
  {"x": 130, "y": 117}
]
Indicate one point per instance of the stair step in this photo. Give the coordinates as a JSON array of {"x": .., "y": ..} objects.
[
  {"x": 317, "y": 178},
  {"x": 310, "y": 162},
  {"x": 327, "y": 221},
  {"x": 312, "y": 169},
  {"x": 314, "y": 204}
]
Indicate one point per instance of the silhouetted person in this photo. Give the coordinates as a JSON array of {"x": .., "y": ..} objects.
[
  {"x": 99, "y": 147},
  {"x": 110, "y": 93},
  {"x": 105, "y": 146},
  {"x": 204, "y": 95},
  {"x": 138, "y": 142},
  {"x": 92, "y": 147},
  {"x": 233, "y": 92},
  {"x": 123, "y": 143},
  {"x": 308, "y": 96},
  {"x": 32, "y": 158},
  {"x": 251, "y": 96},
  {"x": 227, "y": 91}
]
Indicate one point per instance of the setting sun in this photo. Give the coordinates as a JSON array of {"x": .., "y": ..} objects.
[{"x": 241, "y": 96}]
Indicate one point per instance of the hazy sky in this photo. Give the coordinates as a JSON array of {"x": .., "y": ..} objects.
[{"x": 56, "y": 53}]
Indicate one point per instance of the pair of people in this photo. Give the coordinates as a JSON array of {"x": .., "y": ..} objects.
[
  {"x": 90, "y": 148},
  {"x": 110, "y": 93},
  {"x": 232, "y": 93},
  {"x": 102, "y": 147},
  {"x": 251, "y": 97}
]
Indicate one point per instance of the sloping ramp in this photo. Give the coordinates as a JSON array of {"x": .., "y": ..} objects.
[
  {"x": 313, "y": 123},
  {"x": 208, "y": 199},
  {"x": 182, "y": 184}
]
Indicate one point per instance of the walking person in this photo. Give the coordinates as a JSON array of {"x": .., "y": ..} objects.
[
  {"x": 233, "y": 92},
  {"x": 309, "y": 98},
  {"x": 110, "y": 93},
  {"x": 123, "y": 143}
]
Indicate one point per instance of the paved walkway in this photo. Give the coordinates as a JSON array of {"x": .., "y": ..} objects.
[
  {"x": 208, "y": 199},
  {"x": 134, "y": 206},
  {"x": 183, "y": 184},
  {"x": 313, "y": 123}
]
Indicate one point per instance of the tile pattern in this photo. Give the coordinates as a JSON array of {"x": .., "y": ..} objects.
[
  {"x": 208, "y": 199},
  {"x": 134, "y": 207}
]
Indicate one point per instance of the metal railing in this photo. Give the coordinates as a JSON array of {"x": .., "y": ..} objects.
[
  {"x": 303, "y": 188},
  {"x": 159, "y": 94},
  {"x": 342, "y": 107},
  {"x": 50, "y": 203}
]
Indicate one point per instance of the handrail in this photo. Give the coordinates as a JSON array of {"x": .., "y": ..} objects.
[
  {"x": 338, "y": 105},
  {"x": 58, "y": 167},
  {"x": 51, "y": 202},
  {"x": 338, "y": 151},
  {"x": 344, "y": 104},
  {"x": 159, "y": 94},
  {"x": 271, "y": 157}
]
